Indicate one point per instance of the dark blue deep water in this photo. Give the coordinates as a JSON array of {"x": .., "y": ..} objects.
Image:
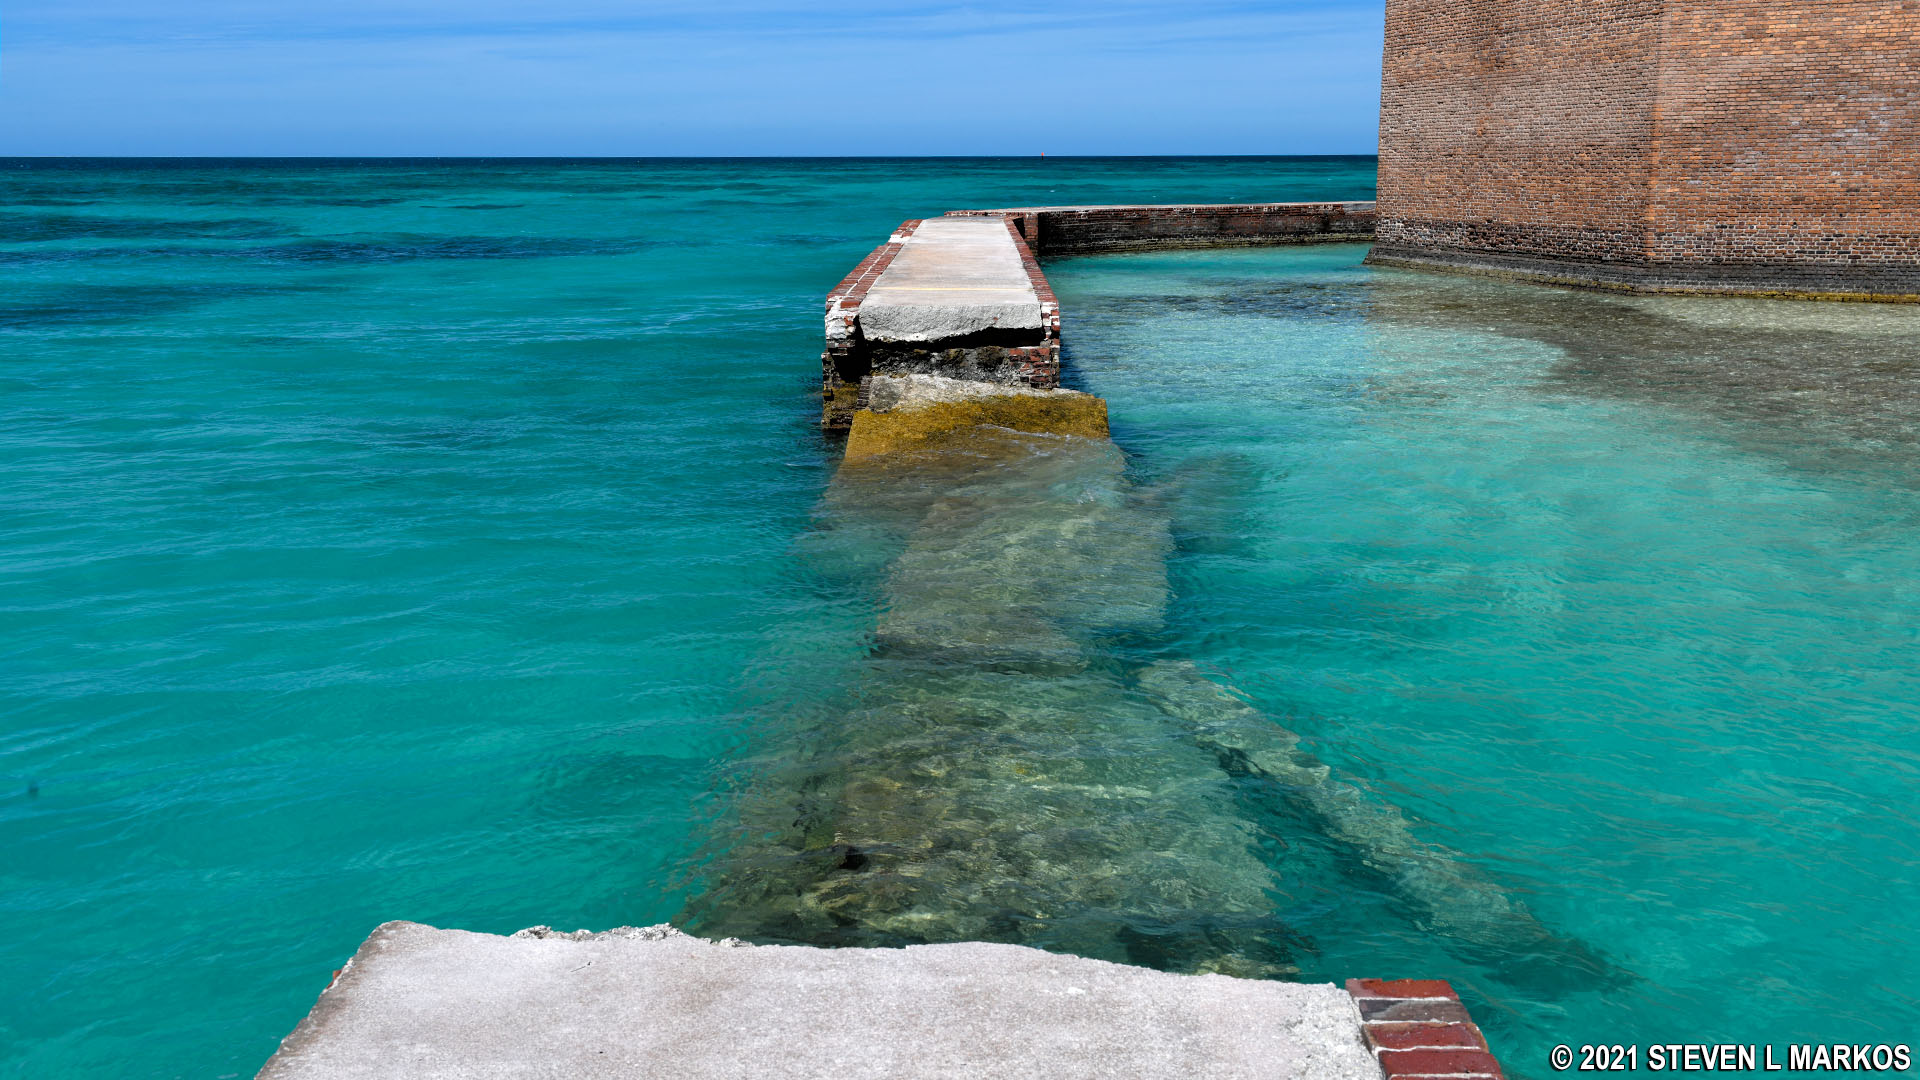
[{"x": 436, "y": 539}]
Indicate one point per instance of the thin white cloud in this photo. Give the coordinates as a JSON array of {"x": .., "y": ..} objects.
[{"x": 38, "y": 23}]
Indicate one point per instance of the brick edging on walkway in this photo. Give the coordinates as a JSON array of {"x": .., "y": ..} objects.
[
  {"x": 1041, "y": 362},
  {"x": 1418, "y": 1029},
  {"x": 853, "y": 288},
  {"x": 842, "y": 316}
]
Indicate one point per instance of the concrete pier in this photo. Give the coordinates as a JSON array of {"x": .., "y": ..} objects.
[
  {"x": 962, "y": 296},
  {"x": 420, "y": 1003},
  {"x": 953, "y": 297}
]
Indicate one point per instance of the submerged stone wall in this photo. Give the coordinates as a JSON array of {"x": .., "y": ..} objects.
[{"x": 1754, "y": 146}]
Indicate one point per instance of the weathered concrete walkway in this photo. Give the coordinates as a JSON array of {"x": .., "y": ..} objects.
[
  {"x": 954, "y": 279},
  {"x": 427, "y": 1004}
]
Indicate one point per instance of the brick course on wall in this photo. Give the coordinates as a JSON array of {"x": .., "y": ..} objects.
[
  {"x": 1517, "y": 125},
  {"x": 1788, "y": 131},
  {"x": 1039, "y": 364},
  {"x": 1698, "y": 145}
]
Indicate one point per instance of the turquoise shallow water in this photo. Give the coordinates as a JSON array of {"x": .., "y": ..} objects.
[
  {"x": 1616, "y": 595},
  {"x": 448, "y": 541}
]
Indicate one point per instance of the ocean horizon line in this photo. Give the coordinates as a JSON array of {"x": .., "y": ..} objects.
[{"x": 679, "y": 157}]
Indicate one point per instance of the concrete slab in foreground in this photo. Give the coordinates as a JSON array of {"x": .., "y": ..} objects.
[{"x": 423, "y": 1003}]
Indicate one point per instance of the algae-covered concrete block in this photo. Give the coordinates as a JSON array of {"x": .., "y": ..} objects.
[{"x": 906, "y": 413}]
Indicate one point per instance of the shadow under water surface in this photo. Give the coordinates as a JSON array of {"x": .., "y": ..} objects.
[{"x": 1820, "y": 385}]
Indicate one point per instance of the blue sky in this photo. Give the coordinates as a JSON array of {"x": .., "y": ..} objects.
[{"x": 604, "y": 77}]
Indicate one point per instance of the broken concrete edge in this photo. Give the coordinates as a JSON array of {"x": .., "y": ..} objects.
[
  {"x": 1417, "y": 1030},
  {"x": 911, "y": 390},
  {"x": 312, "y": 1027},
  {"x": 1835, "y": 283}
]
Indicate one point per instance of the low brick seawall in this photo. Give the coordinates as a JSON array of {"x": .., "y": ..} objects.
[
  {"x": 844, "y": 364},
  {"x": 1080, "y": 230},
  {"x": 1040, "y": 363}
]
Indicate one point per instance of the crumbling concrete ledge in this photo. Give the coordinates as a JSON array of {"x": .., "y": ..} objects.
[{"x": 429, "y": 1004}]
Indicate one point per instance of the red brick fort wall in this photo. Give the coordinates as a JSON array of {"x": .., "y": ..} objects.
[
  {"x": 1750, "y": 145},
  {"x": 1788, "y": 132},
  {"x": 1518, "y": 126}
]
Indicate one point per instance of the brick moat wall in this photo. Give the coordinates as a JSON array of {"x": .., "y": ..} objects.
[
  {"x": 1518, "y": 126},
  {"x": 1755, "y": 145},
  {"x": 1081, "y": 230},
  {"x": 1788, "y": 131}
]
